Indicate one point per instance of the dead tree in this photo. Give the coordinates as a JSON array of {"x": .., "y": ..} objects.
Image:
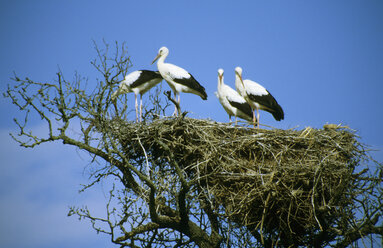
[{"x": 184, "y": 182}]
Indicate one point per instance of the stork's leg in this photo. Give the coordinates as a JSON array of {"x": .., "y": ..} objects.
[
  {"x": 254, "y": 118},
  {"x": 179, "y": 102},
  {"x": 175, "y": 106},
  {"x": 140, "y": 107},
  {"x": 135, "y": 97},
  {"x": 258, "y": 117}
]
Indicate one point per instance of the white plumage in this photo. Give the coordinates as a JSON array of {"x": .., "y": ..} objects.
[
  {"x": 138, "y": 82},
  {"x": 257, "y": 96},
  {"x": 178, "y": 79},
  {"x": 232, "y": 102}
]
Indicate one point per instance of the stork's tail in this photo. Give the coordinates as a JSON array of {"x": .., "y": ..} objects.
[
  {"x": 278, "y": 113},
  {"x": 204, "y": 95}
]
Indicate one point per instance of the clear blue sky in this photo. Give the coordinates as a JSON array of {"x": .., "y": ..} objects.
[{"x": 322, "y": 61}]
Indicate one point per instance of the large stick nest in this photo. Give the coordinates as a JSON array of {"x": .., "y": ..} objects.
[{"x": 292, "y": 181}]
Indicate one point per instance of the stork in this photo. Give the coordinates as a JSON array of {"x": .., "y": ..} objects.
[
  {"x": 138, "y": 82},
  {"x": 178, "y": 79},
  {"x": 231, "y": 101},
  {"x": 257, "y": 96}
]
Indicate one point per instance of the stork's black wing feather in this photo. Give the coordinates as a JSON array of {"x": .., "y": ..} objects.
[
  {"x": 192, "y": 83},
  {"x": 144, "y": 77},
  {"x": 269, "y": 104},
  {"x": 244, "y": 107}
]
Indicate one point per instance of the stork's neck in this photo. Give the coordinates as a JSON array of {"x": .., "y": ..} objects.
[
  {"x": 220, "y": 82},
  {"x": 238, "y": 84},
  {"x": 161, "y": 60}
]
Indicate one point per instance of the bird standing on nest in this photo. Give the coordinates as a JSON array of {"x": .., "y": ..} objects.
[
  {"x": 231, "y": 101},
  {"x": 178, "y": 79},
  {"x": 258, "y": 97},
  {"x": 138, "y": 82}
]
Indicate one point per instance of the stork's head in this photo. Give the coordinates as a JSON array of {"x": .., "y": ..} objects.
[
  {"x": 238, "y": 73},
  {"x": 220, "y": 75},
  {"x": 163, "y": 52}
]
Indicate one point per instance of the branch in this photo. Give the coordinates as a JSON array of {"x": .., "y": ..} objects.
[
  {"x": 359, "y": 232},
  {"x": 138, "y": 230},
  {"x": 184, "y": 184},
  {"x": 194, "y": 232},
  {"x": 168, "y": 95}
]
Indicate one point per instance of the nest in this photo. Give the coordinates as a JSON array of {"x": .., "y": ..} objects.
[{"x": 289, "y": 181}]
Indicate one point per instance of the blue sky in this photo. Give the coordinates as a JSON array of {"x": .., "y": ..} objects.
[{"x": 322, "y": 61}]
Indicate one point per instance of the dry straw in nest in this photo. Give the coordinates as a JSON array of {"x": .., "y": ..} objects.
[{"x": 268, "y": 180}]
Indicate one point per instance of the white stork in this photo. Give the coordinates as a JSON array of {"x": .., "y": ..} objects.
[
  {"x": 178, "y": 79},
  {"x": 257, "y": 96},
  {"x": 231, "y": 101},
  {"x": 138, "y": 82}
]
